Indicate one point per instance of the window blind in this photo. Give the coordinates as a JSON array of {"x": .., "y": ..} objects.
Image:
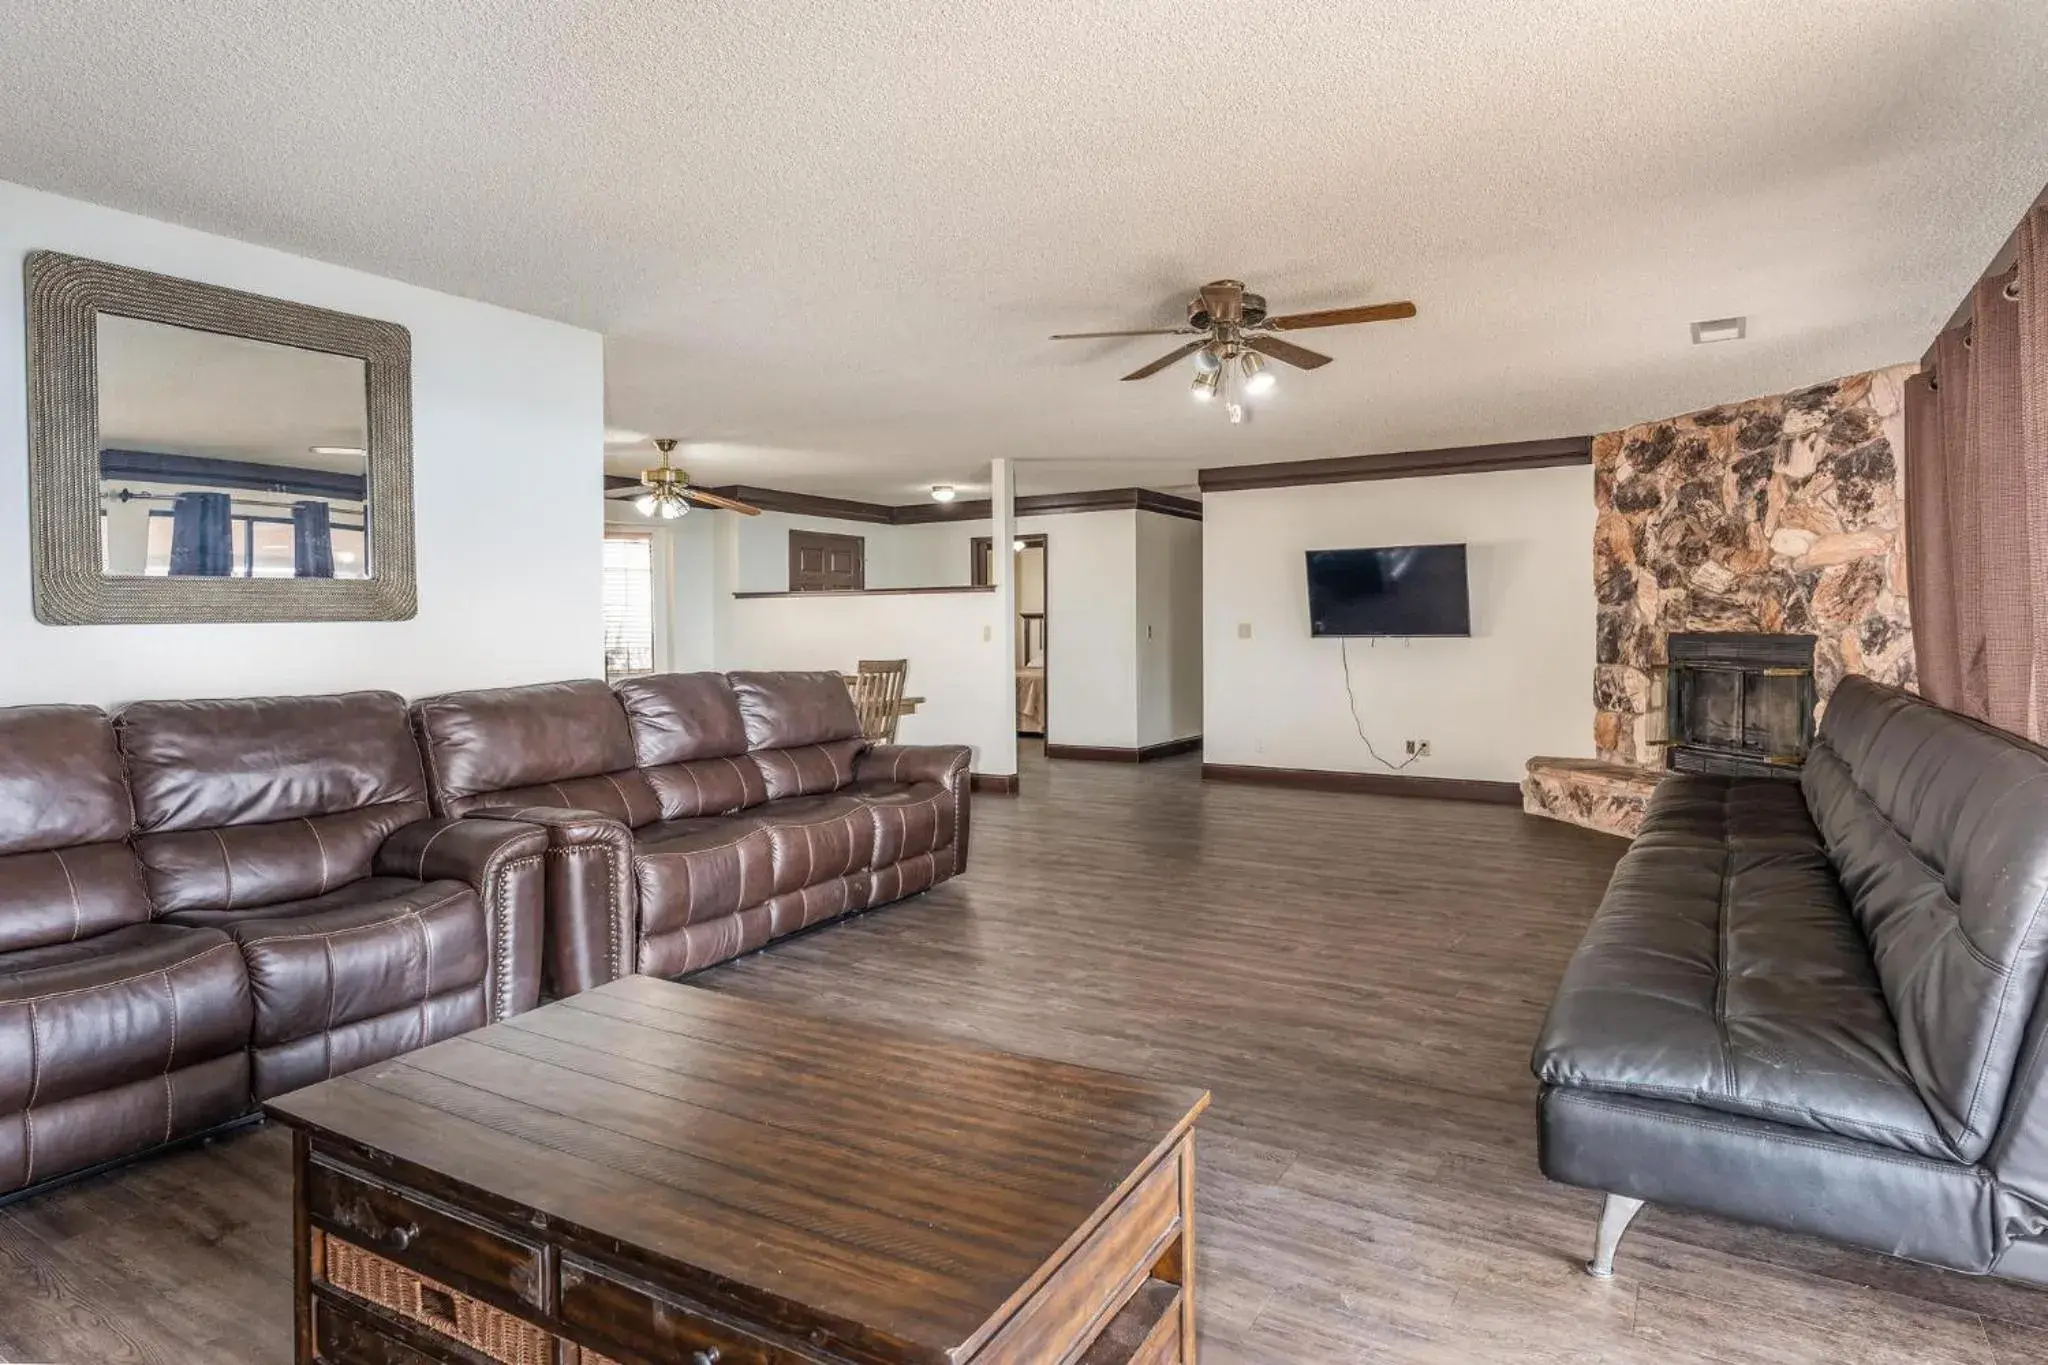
[{"x": 628, "y": 605}]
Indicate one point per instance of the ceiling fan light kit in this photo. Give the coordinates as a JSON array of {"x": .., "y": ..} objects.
[
  {"x": 666, "y": 492},
  {"x": 1234, "y": 341}
]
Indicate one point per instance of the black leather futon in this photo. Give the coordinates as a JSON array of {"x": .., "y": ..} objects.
[{"x": 1817, "y": 1005}]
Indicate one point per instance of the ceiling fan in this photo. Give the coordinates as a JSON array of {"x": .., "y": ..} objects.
[
  {"x": 666, "y": 492},
  {"x": 1233, "y": 332}
]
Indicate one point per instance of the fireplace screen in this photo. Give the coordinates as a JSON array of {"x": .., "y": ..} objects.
[{"x": 1738, "y": 704}]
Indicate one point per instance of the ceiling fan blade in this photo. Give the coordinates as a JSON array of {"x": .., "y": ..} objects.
[
  {"x": 1169, "y": 358},
  {"x": 1286, "y": 352},
  {"x": 621, "y": 494},
  {"x": 704, "y": 499},
  {"x": 1340, "y": 317},
  {"x": 1143, "y": 332}
]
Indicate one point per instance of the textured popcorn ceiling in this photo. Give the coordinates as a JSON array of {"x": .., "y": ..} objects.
[{"x": 826, "y": 240}]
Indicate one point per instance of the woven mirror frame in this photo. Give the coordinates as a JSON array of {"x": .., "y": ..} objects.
[{"x": 65, "y": 296}]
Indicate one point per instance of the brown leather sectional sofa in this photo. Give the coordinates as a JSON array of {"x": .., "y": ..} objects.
[
  {"x": 694, "y": 817},
  {"x": 207, "y": 903}
]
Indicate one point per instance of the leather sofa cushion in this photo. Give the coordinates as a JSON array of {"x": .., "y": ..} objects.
[
  {"x": 814, "y": 839},
  {"x": 379, "y": 945},
  {"x": 623, "y": 796},
  {"x": 789, "y": 710},
  {"x": 58, "y": 895},
  {"x": 689, "y": 871},
  {"x": 238, "y": 867},
  {"x": 1938, "y": 828},
  {"x": 911, "y": 818},
  {"x": 808, "y": 770},
  {"x": 707, "y": 786},
  {"x": 1727, "y": 973},
  {"x": 677, "y": 717},
  {"x": 140, "y": 1002},
  {"x": 60, "y": 780},
  {"x": 202, "y": 764},
  {"x": 509, "y": 739}
]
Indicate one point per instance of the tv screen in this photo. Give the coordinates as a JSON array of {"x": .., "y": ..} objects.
[{"x": 1393, "y": 590}]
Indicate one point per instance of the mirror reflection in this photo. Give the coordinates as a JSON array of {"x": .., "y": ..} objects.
[{"x": 226, "y": 457}]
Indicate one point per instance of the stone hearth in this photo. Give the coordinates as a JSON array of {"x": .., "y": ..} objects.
[{"x": 1609, "y": 797}]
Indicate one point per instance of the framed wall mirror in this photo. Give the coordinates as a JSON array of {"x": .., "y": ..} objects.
[{"x": 201, "y": 454}]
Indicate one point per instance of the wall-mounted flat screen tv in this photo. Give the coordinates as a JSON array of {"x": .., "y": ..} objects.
[{"x": 1393, "y": 590}]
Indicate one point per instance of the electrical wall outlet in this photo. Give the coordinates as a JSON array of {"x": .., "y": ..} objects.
[
  {"x": 1244, "y": 630},
  {"x": 1418, "y": 748},
  {"x": 988, "y": 633}
]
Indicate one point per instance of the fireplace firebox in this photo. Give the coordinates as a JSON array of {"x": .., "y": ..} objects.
[{"x": 1737, "y": 704}]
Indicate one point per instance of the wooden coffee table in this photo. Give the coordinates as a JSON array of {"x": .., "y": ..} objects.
[{"x": 650, "y": 1172}]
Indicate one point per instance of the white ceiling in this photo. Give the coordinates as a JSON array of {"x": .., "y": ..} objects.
[{"x": 826, "y": 240}]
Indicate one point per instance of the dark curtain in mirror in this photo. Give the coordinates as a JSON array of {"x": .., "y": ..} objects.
[
  {"x": 202, "y": 536},
  {"x": 312, "y": 541}
]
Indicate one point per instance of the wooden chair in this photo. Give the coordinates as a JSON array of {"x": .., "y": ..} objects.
[{"x": 878, "y": 696}]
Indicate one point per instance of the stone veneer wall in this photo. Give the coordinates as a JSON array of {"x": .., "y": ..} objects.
[{"x": 1781, "y": 514}]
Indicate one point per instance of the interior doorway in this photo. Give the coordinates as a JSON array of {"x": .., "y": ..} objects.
[{"x": 1028, "y": 565}]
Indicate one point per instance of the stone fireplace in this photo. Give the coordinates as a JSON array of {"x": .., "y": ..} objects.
[
  {"x": 1737, "y": 704},
  {"x": 1779, "y": 518}
]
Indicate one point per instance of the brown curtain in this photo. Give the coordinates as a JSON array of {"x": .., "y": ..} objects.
[{"x": 1977, "y": 501}]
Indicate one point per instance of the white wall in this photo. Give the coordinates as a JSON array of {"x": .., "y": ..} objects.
[
  {"x": 508, "y": 422},
  {"x": 949, "y": 640},
  {"x": 1519, "y": 686},
  {"x": 1091, "y": 614},
  {"x": 1169, "y": 628}
]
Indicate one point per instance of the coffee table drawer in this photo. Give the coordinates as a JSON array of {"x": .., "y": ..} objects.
[
  {"x": 422, "y": 1233},
  {"x": 641, "y": 1321},
  {"x": 1091, "y": 1283}
]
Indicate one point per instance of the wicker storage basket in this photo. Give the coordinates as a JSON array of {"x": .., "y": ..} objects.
[{"x": 412, "y": 1296}]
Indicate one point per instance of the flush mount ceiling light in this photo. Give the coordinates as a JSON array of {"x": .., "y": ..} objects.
[
  {"x": 943, "y": 492},
  {"x": 1719, "y": 329},
  {"x": 334, "y": 450}
]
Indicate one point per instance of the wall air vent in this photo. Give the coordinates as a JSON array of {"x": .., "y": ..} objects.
[{"x": 1719, "y": 329}]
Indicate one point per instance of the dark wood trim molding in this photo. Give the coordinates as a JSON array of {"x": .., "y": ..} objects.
[
  {"x": 864, "y": 592},
  {"x": 1099, "y": 753},
  {"x": 1376, "y": 784},
  {"x": 918, "y": 513},
  {"x": 1055, "y": 504},
  {"x": 207, "y": 471},
  {"x": 995, "y": 784},
  {"x": 806, "y": 504},
  {"x": 1406, "y": 464}
]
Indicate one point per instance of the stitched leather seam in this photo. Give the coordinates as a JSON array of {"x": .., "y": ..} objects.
[
  {"x": 1999, "y": 1021},
  {"x": 77, "y": 911},
  {"x": 170, "y": 1056},
  {"x": 427, "y": 971},
  {"x": 414, "y": 911},
  {"x": 35, "y": 1056},
  {"x": 320, "y": 844},
  {"x": 1887, "y": 1158},
  {"x": 327, "y": 1032},
  {"x": 227, "y": 865},
  {"x": 426, "y": 847},
  {"x": 35, "y": 1000},
  {"x": 1698, "y": 1097},
  {"x": 1721, "y": 949}
]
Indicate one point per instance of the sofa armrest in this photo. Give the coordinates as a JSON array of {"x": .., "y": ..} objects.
[
  {"x": 592, "y": 912},
  {"x": 945, "y": 764},
  {"x": 505, "y": 864}
]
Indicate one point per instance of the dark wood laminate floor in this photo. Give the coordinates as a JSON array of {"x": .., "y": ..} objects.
[{"x": 1356, "y": 978}]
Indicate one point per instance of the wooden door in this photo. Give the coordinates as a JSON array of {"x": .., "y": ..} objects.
[{"x": 820, "y": 561}]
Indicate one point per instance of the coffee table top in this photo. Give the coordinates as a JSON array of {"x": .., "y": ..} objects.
[{"x": 894, "y": 1186}]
